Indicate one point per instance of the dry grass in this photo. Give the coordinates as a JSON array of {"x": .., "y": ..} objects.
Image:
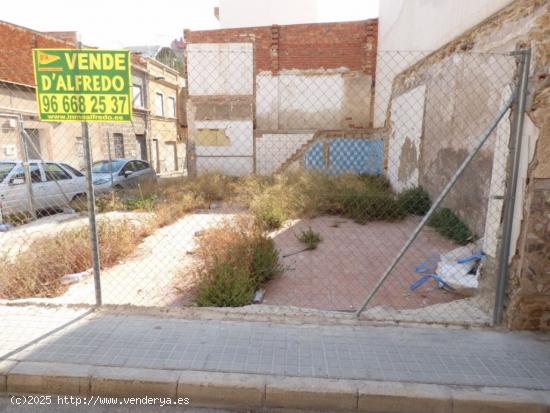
[
  {"x": 271, "y": 200},
  {"x": 236, "y": 259},
  {"x": 305, "y": 195},
  {"x": 36, "y": 272}
]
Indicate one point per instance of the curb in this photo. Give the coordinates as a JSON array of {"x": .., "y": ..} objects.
[{"x": 252, "y": 391}]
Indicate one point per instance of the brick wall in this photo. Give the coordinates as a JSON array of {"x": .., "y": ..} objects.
[
  {"x": 16, "y": 44},
  {"x": 303, "y": 46}
]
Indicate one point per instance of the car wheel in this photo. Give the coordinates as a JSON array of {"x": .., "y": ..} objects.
[{"x": 79, "y": 202}]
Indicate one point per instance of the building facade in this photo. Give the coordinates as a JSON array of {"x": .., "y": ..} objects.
[
  {"x": 166, "y": 145},
  {"x": 152, "y": 135},
  {"x": 256, "y": 96}
]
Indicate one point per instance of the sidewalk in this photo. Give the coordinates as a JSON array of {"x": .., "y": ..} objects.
[{"x": 85, "y": 352}]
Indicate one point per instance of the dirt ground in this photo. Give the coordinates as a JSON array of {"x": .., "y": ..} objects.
[
  {"x": 336, "y": 276},
  {"x": 161, "y": 272},
  {"x": 347, "y": 263}
]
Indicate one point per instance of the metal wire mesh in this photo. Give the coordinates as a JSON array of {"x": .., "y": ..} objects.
[{"x": 293, "y": 188}]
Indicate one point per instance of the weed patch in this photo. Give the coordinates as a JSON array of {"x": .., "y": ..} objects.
[
  {"x": 236, "y": 259},
  {"x": 36, "y": 272},
  {"x": 451, "y": 226},
  {"x": 142, "y": 203},
  {"x": 415, "y": 201},
  {"x": 310, "y": 238}
]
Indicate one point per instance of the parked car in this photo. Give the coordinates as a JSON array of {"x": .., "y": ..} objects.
[
  {"x": 121, "y": 173},
  {"x": 53, "y": 183}
]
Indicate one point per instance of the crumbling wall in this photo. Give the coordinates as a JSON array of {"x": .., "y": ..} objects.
[
  {"x": 313, "y": 99},
  {"x": 439, "y": 109},
  {"x": 274, "y": 149},
  {"x": 300, "y": 79},
  {"x": 524, "y": 23},
  {"x": 219, "y": 108}
]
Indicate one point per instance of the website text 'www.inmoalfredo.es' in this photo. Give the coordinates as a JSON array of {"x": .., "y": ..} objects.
[{"x": 29, "y": 400}]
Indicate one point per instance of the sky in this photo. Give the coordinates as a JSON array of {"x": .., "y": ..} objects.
[{"x": 121, "y": 23}]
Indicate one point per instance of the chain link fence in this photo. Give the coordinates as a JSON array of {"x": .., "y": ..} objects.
[{"x": 290, "y": 190}]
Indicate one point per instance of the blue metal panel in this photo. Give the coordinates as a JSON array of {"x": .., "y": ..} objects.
[
  {"x": 313, "y": 158},
  {"x": 346, "y": 155}
]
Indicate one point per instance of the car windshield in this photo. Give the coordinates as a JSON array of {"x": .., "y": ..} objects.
[
  {"x": 104, "y": 167},
  {"x": 5, "y": 169}
]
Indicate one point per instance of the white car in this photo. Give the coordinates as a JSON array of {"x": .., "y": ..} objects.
[{"x": 53, "y": 183}]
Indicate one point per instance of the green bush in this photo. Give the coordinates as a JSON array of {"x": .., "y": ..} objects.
[
  {"x": 415, "y": 201},
  {"x": 140, "y": 203},
  {"x": 270, "y": 210},
  {"x": 264, "y": 263},
  {"x": 365, "y": 206},
  {"x": 271, "y": 217},
  {"x": 376, "y": 182},
  {"x": 227, "y": 284},
  {"x": 236, "y": 261},
  {"x": 310, "y": 238},
  {"x": 449, "y": 225}
]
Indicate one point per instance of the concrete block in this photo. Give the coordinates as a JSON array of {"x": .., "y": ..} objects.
[
  {"x": 389, "y": 397},
  {"x": 310, "y": 393},
  {"x": 5, "y": 367},
  {"x": 501, "y": 400},
  {"x": 222, "y": 389},
  {"x": 124, "y": 381},
  {"x": 49, "y": 378}
]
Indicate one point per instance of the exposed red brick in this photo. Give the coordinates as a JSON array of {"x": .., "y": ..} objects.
[
  {"x": 16, "y": 44},
  {"x": 303, "y": 46}
]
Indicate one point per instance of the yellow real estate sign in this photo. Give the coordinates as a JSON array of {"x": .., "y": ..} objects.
[{"x": 83, "y": 85}]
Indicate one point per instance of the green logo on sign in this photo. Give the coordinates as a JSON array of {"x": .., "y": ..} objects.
[{"x": 81, "y": 84}]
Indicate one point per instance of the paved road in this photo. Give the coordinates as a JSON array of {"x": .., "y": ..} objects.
[{"x": 405, "y": 354}]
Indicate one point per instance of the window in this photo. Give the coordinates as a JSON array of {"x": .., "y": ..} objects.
[
  {"x": 55, "y": 173},
  {"x": 141, "y": 166},
  {"x": 129, "y": 167},
  {"x": 137, "y": 101},
  {"x": 5, "y": 169},
  {"x": 172, "y": 107},
  {"x": 105, "y": 167},
  {"x": 159, "y": 104},
  {"x": 19, "y": 173},
  {"x": 74, "y": 171}
]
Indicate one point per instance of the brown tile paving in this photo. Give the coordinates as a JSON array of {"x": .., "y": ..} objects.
[{"x": 348, "y": 262}]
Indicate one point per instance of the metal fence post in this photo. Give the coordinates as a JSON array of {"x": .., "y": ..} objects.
[
  {"x": 91, "y": 213},
  {"x": 26, "y": 167},
  {"x": 481, "y": 141},
  {"x": 512, "y": 182}
]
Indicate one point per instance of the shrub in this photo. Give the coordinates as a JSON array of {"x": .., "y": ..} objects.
[
  {"x": 310, "y": 238},
  {"x": 226, "y": 284},
  {"x": 108, "y": 202},
  {"x": 210, "y": 187},
  {"x": 451, "y": 226},
  {"x": 272, "y": 201},
  {"x": 270, "y": 211},
  {"x": 297, "y": 195},
  {"x": 141, "y": 203},
  {"x": 236, "y": 260},
  {"x": 415, "y": 201},
  {"x": 364, "y": 206},
  {"x": 264, "y": 264}
]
